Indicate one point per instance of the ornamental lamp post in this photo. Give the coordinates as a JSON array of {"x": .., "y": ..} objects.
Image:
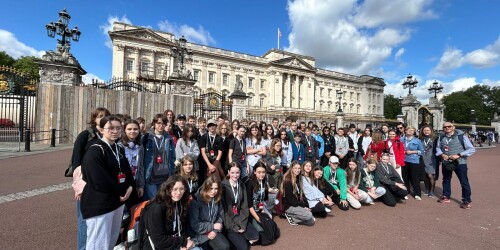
[
  {"x": 339, "y": 96},
  {"x": 61, "y": 28},
  {"x": 410, "y": 83},
  {"x": 182, "y": 53},
  {"x": 435, "y": 88}
]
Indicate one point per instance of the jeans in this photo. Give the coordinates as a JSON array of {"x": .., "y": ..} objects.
[
  {"x": 81, "y": 227},
  {"x": 379, "y": 191},
  {"x": 150, "y": 191},
  {"x": 359, "y": 159},
  {"x": 219, "y": 242},
  {"x": 461, "y": 172}
]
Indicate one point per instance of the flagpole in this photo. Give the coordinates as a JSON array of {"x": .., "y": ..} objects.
[{"x": 278, "y": 38}]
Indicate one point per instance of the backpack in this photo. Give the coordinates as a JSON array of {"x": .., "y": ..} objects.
[
  {"x": 271, "y": 231},
  {"x": 69, "y": 171},
  {"x": 280, "y": 207},
  {"x": 398, "y": 143},
  {"x": 135, "y": 228}
]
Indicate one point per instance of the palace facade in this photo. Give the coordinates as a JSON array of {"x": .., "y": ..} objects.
[{"x": 278, "y": 83}]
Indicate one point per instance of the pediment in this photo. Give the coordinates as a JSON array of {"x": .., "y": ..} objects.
[
  {"x": 294, "y": 62},
  {"x": 141, "y": 34}
]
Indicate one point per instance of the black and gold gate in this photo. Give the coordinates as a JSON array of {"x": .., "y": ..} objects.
[
  {"x": 425, "y": 117},
  {"x": 17, "y": 104},
  {"x": 211, "y": 105}
]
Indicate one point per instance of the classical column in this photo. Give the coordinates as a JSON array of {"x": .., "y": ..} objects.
[
  {"x": 137, "y": 59},
  {"x": 297, "y": 91},
  {"x": 287, "y": 97},
  {"x": 218, "y": 77}
]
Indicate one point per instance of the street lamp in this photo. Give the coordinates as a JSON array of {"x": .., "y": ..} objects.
[
  {"x": 183, "y": 55},
  {"x": 339, "y": 96},
  {"x": 435, "y": 88},
  {"x": 61, "y": 28},
  {"x": 410, "y": 83}
]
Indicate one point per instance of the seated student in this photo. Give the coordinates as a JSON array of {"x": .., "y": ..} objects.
[
  {"x": 187, "y": 171},
  {"x": 322, "y": 184},
  {"x": 206, "y": 216},
  {"x": 354, "y": 194},
  {"x": 257, "y": 193},
  {"x": 165, "y": 217},
  {"x": 297, "y": 209},
  {"x": 316, "y": 199},
  {"x": 370, "y": 182},
  {"x": 390, "y": 179},
  {"x": 335, "y": 176},
  {"x": 235, "y": 203}
]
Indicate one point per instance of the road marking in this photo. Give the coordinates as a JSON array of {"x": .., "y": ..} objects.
[{"x": 34, "y": 192}]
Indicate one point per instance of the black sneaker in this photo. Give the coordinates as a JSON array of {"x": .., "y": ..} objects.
[
  {"x": 290, "y": 220},
  {"x": 465, "y": 205}
]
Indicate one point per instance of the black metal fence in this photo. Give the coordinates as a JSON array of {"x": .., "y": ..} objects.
[{"x": 125, "y": 84}]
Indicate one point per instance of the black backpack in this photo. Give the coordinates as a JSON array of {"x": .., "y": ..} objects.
[
  {"x": 271, "y": 231},
  {"x": 69, "y": 171}
]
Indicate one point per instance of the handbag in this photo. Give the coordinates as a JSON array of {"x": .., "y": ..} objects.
[{"x": 450, "y": 165}]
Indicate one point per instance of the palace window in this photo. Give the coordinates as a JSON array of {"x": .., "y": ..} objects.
[
  {"x": 351, "y": 95},
  {"x": 196, "y": 75},
  {"x": 261, "y": 103},
  {"x": 358, "y": 96},
  {"x": 211, "y": 77},
  {"x": 262, "y": 84},
  {"x": 225, "y": 78},
  {"x": 321, "y": 92},
  {"x": 159, "y": 69},
  {"x": 329, "y": 92},
  {"x": 130, "y": 65},
  {"x": 250, "y": 99},
  {"x": 250, "y": 82},
  {"x": 144, "y": 67}
]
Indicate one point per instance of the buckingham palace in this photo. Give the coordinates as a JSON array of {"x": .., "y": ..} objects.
[{"x": 278, "y": 83}]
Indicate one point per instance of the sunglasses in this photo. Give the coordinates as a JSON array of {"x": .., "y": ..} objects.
[
  {"x": 447, "y": 126},
  {"x": 399, "y": 127}
]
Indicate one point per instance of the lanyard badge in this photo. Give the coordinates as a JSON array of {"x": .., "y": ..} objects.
[{"x": 121, "y": 178}]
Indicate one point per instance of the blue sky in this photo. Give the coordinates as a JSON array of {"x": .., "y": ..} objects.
[{"x": 456, "y": 42}]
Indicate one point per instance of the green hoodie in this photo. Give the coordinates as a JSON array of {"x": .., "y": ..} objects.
[{"x": 340, "y": 178}]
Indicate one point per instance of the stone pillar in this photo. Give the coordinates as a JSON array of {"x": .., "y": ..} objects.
[
  {"x": 181, "y": 93},
  {"x": 60, "y": 67},
  {"x": 436, "y": 107},
  {"x": 340, "y": 120},
  {"x": 410, "y": 110},
  {"x": 239, "y": 109}
]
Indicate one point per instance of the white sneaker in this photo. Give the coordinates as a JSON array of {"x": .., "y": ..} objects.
[
  {"x": 406, "y": 197},
  {"x": 418, "y": 198},
  {"x": 328, "y": 210}
]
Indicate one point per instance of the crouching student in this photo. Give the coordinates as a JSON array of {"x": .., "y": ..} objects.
[
  {"x": 318, "y": 202},
  {"x": 206, "y": 216},
  {"x": 370, "y": 182},
  {"x": 257, "y": 194},
  {"x": 335, "y": 176},
  {"x": 189, "y": 173},
  {"x": 354, "y": 195},
  {"x": 165, "y": 217},
  {"x": 297, "y": 209},
  {"x": 235, "y": 203},
  {"x": 391, "y": 181}
]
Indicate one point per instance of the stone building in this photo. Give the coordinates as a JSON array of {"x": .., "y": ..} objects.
[{"x": 278, "y": 83}]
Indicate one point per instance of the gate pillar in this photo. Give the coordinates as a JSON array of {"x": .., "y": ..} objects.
[
  {"x": 436, "y": 107},
  {"x": 182, "y": 95},
  {"x": 239, "y": 109}
]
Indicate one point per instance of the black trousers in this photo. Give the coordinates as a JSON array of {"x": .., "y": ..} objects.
[
  {"x": 319, "y": 210},
  {"x": 336, "y": 200},
  {"x": 411, "y": 175},
  {"x": 392, "y": 195},
  {"x": 219, "y": 242},
  {"x": 240, "y": 240}
]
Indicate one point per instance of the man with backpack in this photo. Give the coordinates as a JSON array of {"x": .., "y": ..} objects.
[{"x": 454, "y": 151}]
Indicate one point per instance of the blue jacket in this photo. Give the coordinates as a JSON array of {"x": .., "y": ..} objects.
[
  {"x": 321, "y": 145},
  {"x": 298, "y": 152},
  {"x": 412, "y": 145},
  {"x": 147, "y": 157}
]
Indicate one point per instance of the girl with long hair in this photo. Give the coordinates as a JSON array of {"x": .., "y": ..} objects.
[
  {"x": 187, "y": 171},
  {"x": 257, "y": 194},
  {"x": 238, "y": 151},
  {"x": 429, "y": 159},
  {"x": 297, "y": 209},
  {"x": 206, "y": 216},
  {"x": 165, "y": 218},
  {"x": 273, "y": 162},
  {"x": 255, "y": 148},
  {"x": 370, "y": 182},
  {"x": 187, "y": 146},
  {"x": 412, "y": 170},
  {"x": 267, "y": 136},
  {"x": 286, "y": 148},
  {"x": 322, "y": 184},
  {"x": 353, "y": 177},
  {"x": 235, "y": 203},
  {"x": 131, "y": 141},
  {"x": 318, "y": 202},
  {"x": 376, "y": 147},
  {"x": 226, "y": 136}
]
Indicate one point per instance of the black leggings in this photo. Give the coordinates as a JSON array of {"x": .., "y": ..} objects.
[
  {"x": 411, "y": 174},
  {"x": 391, "y": 197},
  {"x": 319, "y": 210}
]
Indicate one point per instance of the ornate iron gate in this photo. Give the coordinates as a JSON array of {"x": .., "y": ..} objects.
[
  {"x": 425, "y": 117},
  {"x": 212, "y": 105},
  {"x": 17, "y": 105}
]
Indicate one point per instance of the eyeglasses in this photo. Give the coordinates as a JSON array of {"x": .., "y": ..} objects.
[
  {"x": 115, "y": 129},
  {"x": 447, "y": 126}
]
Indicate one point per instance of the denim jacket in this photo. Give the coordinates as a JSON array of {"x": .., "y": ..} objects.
[
  {"x": 147, "y": 157},
  {"x": 412, "y": 145}
]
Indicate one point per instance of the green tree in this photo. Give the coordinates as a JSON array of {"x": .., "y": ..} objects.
[
  {"x": 391, "y": 107},
  {"x": 5, "y": 59},
  {"x": 482, "y": 99},
  {"x": 27, "y": 65}
]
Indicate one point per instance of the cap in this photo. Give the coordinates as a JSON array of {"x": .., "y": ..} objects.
[
  {"x": 181, "y": 116},
  {"x": 352, "y": 126},
  {"x": 211, "y": 121},
  {"x": 334, "y": 159}
]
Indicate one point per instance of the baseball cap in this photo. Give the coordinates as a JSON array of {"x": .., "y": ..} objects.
[
  {"x": 211, "y": 121},
  {"x": 334, "y": 159},
  {"x": 181, "y": 116}
]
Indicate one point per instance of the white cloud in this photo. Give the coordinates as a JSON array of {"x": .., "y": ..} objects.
[
  {"x": 351, "y": 36},
  {"x": 87, "y": 79},
  {"x": 15, "y": 48},
  {"x": 105, "y": 28},
  {"x": 399, "y": 53},
  {"x": 453, "y": 58},
  {"x": 192, "y": 34}
]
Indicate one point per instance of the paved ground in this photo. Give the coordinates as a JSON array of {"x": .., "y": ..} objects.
[{"x": 38, "y": 212}]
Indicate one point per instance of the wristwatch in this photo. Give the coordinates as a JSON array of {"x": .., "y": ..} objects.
[{"x": 459, "y": 155}]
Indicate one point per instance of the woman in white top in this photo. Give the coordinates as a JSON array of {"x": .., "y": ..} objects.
[
  {"x": 255, "y": 148},
  {"x": 318, "y": 202},
  {"x": 187, "y": 145}
]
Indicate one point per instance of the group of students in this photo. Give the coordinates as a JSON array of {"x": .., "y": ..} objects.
[{"x": 217, "y": 185}]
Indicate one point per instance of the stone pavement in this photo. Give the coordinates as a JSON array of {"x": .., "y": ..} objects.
[{"x": 36, "y": 148}]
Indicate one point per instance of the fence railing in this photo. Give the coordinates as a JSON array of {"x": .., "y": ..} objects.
[
  {"x": 29, "y": 137},
  {"x": 10, "y": 139}
]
